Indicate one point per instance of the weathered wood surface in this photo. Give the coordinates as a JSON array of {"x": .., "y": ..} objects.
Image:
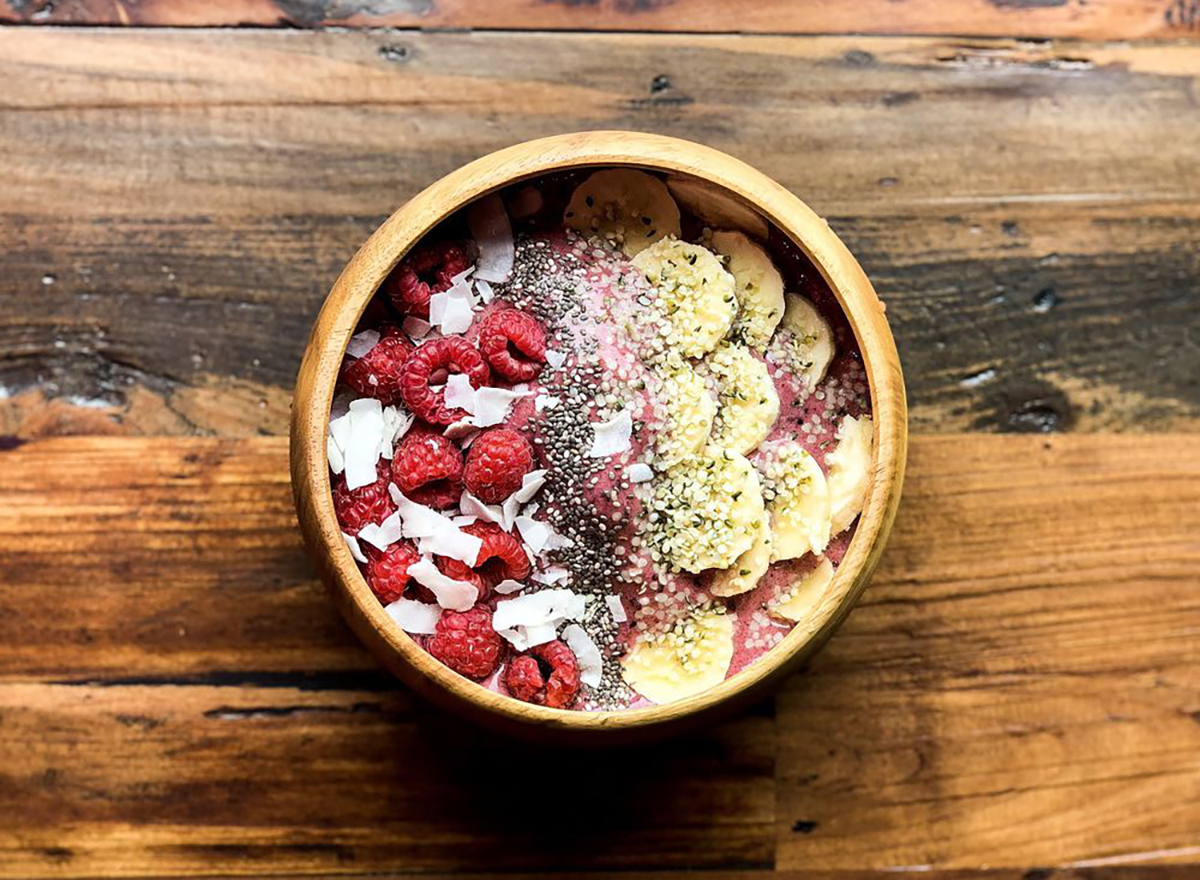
[
  {"x": 1089, "y": 19},
  {"x": 1019, "y": 688},
  {"x": 176, "y": 204}
]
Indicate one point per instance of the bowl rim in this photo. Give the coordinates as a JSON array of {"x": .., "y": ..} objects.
[{"x": 406, "y": 226}]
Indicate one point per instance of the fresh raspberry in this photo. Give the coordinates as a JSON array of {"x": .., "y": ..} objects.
[
  {"x": 366, "y": 504},
  {"x": 424, "y": 272},
  {"x": 514, "y": 344},
  {"x": 427, "y": 468},
  {"x": 526, "y": 676},
  {"x": 447, "y": 354},
  {"x": 387, "y": 570},
  {"x": 501, "y": 557},
  {"x": 460, "y": 571},
  {"x": 377, "y": 373},
  {"x": 466, "y": 642},
  {"x": 496, "y": 463}
]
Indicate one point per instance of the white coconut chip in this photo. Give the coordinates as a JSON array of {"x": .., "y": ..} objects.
[
  {"x": 437, "y": 533},
  {"x": 463, "y": 520},
  {"x": 452, "y": 310},
  {"x": 616, "y": 608},
  {"x": 361, "y": 449},
  {"x": 415, "y": 328},
  {"x": 459, "y": 393},
  {"x": 612, "y": 436},
  {"x": 340, "y": 405},
  {"x": 486, "y": 294},
  {"x": 337, "y": 461},
  {"x": 552, "y": 575},
  {"x": 545, "y": 401},
  {"x": 383, "y": 535},
  {"x": 508, "y": 586},
  {"x": 452, "y": 542},
  {"x": 539, "y": 635},
  {"x": 361, "y": 343},
  {"x": 355, "y": 550},
  {"x": 492, "y": 513},
  {"x": 419, "y": 618},
  {"x": 493, "y": 234},
  {"x": 639, "y": 472},
  {"x": 538, "y": 609},
  {"x": 395, "y": 425},
  {"x": 531, "y": 484},
  {"x": 591, "y": 664},
  {"x": 492, "y": 405},
  {"x": 539, "y": 536},
  {"x": 451, "y": 594}
]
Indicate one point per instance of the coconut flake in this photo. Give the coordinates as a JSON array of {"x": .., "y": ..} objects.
[
  {"x": 361, "y": 449},
  {"x": 531, "y": 484},
  {"x": 639, "y": 472},
  {"x": 510, "y": 510},
  {"x": 438, "y": 534},
  {"x": 616, "y": 608},
  {"x": 540, "y": 634},
  {"x": 451, "y": 594},
  {"x": 419, "y": 618},
  {"x": 492, "y": 513},
  {"x": 395, "y": 425},
  {"x": 484, "y": 290},
  {"x": 355, "y": 550},
  {"x": 508, "y": 585},
  {"x": 383, "y": 535},
  {"x": 591, "y": 664},
  {"x": 415, "y": 328},
  {"x": 493, "y": 234},
  {"x": 337, "y": 461},
  {"x": 452, "y": 310},
  {"x": 555, "y": 358},
  {"x": 612, "y": 436},
  {"x": 545, "y": 401},
  {"x": 535, "y": 533},
  {"x": 459, "y": 393},
  {"x": 340, "y": 405},
  {"x": 492, "y": 405},
  {"x": 361, "y": 343},
  {"x": 538, "y": 609},
  {"x": 453, "y": 542},
  {"x": 552, "y": 575},
  {"x": 463, "y": 520}
]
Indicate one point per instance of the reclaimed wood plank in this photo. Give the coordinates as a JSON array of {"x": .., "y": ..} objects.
[
  {"x": 1017, "y": 689},
  {"x": 194, "y": 194},
  {"x": 1088, "y": 19}
]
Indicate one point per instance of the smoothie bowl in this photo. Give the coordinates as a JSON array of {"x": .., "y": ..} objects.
[{"x": 598, "y": 436}]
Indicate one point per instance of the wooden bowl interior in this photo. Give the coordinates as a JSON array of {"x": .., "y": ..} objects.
[{"x": 736, "y": 195}]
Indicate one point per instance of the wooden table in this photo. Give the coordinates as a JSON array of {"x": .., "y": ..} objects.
[{"x": 1018, "y": 694}]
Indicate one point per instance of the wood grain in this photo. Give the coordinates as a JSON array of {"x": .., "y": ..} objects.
[
  {"x": 192, "y": 196},
  {"x": 1018, "y": 689},
  {"x": 1090, "y": 19}
]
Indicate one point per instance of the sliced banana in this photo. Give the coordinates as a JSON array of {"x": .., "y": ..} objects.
[
  {"x": 797, "y": 500},
  {"x": 799, "y": 600},
  {"x": 804, "y": 343},
  {"x": 743, "y": 575},
  {"x": 715, "y": 207},
  {"x": 686, "y": 660},
  {"x": 629, "y": 208},
  {"x": 758, "y": 285},
  {"x": 747, "y": 405},
  {"x": 706, "y": 511},
  {"x": 694, "y": 294},
  {"x": 690, "y": 410},
  {"x": 850, "y": 470}
]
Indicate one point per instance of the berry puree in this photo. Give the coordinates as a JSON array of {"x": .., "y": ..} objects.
[{"x": 599, "y": 442}]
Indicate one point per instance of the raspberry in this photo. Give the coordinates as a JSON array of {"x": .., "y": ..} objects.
[
  {"x": 424, "y": 272},
  {"x": 387, "y": 570},
  {"x": 526, "y": 676},
  {"x": 514, "y": 344},
  {"x": 466, "y": 642},
  {"x": 460, "y": 571},
  {"x": 448, "y": 353},
  {"x": 428, "y": 468},
  {"x": 366, "y": 504},
  {"x": 496, "y": 463},
  {"x": 501, "y": 557},
  {"x": 377, "y": 373}
]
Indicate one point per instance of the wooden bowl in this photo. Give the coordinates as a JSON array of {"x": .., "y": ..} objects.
[{"x": 735, "y": 183}]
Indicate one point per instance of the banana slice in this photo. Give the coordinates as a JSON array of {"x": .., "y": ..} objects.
[
  {"x": 715, "y": 207},
  {"x": 706, "y": 511},
  {"x": 758, "y": 285},
  {"x": 694, "y": 294},
  {"x": 797, "y": 501},
  {"x": 804, "y": 343},
  {"x": 801, "y": 598},
  {"x": 747, "y": 405},
  {"x": 690, "y": 410},
  {"x": 850, "y": 470},
  {"x": 743, "y": 575},
  {"x": 629, "y": 208},
  {"x": 688, "y": 659}
]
